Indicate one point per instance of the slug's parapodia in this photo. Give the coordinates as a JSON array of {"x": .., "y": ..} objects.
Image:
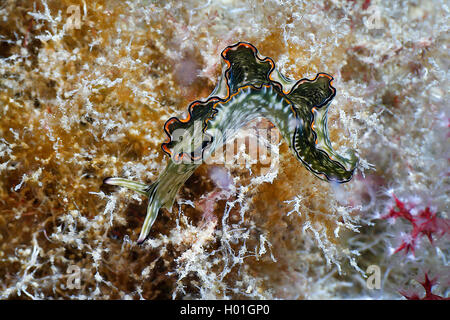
[{"x": 249, "y": 87}]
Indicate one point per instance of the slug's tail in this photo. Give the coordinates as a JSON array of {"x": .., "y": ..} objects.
[{"x": 154, "y": 203}]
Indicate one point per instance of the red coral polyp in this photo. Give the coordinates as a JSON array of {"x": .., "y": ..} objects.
[
  {"x": 425, "y": 222},
  {"x": 428, "y": 285}
]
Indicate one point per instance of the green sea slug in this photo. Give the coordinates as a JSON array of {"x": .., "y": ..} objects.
[{"x": 249, "y": 87}]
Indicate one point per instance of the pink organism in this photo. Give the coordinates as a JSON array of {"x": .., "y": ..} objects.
[
  {"x": 427, "y": 284},
  {"x": 424, "y": 223}
]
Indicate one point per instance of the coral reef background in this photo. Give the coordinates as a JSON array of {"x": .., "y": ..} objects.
[{"x": 86, "y": 87}]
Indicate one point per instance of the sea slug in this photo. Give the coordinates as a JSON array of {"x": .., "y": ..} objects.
[{"x": 249, "y": 87}]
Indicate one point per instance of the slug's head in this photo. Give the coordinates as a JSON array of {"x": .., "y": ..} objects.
[
  {"x": 325, "y": 165},
  {"x": 310, "y": 142}
]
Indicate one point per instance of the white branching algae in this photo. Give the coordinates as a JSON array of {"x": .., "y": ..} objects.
[{"x": 250, "y": 87}]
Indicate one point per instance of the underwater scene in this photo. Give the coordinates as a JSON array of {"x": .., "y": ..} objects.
[{"x": 224, "y": 149}]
